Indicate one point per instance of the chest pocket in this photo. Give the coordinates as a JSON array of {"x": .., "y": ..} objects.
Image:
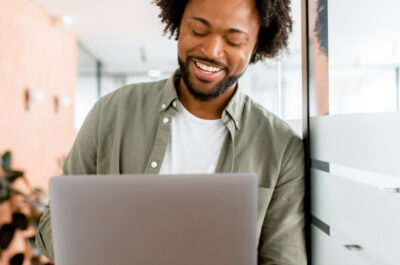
[{"x": 263, "y": 198}]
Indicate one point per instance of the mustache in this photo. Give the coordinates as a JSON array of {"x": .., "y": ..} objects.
[{"x": 211, "y": 61}]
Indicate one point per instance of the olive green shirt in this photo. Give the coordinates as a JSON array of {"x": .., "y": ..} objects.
[{"x": 126, "y": 133}]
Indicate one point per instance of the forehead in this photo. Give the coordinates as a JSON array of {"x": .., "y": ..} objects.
[{"x": 224, "y": 13}]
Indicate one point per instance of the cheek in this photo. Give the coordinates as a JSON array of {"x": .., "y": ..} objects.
[
  {"x": 239, "y": 60},
  {"x": 181, "y": 47},
  {"x": 185, "y": 44}
]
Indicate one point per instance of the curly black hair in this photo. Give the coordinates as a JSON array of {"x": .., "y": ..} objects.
[{"x": 273, "y": 36}]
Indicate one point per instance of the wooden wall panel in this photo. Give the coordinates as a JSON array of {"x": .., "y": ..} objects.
[{"x": 36, "y": 52}]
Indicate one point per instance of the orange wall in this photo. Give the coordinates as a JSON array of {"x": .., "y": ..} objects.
[{"x": 35, "y": 52}]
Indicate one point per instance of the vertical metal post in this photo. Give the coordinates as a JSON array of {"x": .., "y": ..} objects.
[
  {"x": 99, "y": 71},
  {"x": 305, "y": 121}
]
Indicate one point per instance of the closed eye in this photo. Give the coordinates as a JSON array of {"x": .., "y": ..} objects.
[
  {"x": 234, "y": 44},
  {"x": 198, "y": 34}
]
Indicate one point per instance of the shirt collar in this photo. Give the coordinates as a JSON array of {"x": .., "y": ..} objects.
[
  {"x": 233, "y": 111},
  {"x": 169, "y": 92},
  {"x": 235, "y": 107}
]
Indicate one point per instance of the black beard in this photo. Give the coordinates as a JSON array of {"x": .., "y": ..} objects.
[{"x": 218, "y": 90}]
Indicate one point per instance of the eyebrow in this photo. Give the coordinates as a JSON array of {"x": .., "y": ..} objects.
[{"x": 230, "y": 30}]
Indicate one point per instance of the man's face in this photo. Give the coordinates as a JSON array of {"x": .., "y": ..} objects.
[{"x": 216, "y": 40}]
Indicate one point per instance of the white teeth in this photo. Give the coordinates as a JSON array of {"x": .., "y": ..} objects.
[{"x": 208, "y": 68}]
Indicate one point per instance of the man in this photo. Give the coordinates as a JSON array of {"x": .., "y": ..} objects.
[{"x": 199, "y": 121}]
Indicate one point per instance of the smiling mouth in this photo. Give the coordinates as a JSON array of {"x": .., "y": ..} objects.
[{"x": 208, "y": 68}]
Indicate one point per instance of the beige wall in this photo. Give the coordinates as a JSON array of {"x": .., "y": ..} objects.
[{"x": 36, "y": 52}]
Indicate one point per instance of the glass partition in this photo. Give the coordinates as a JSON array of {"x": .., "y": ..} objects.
[{"x": 354, "y": 128}]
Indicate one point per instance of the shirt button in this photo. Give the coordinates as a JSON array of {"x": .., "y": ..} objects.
[
  {"x": 165, "y": 120},
  {"x": 174, "y": 104},
  {"x": 154, "y": 164},
  {"x": 163, "y": 106}
]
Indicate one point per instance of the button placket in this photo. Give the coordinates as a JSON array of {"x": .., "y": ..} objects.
[{"x": 161, "y": 141}]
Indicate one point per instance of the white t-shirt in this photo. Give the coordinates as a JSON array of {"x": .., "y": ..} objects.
[{"x": 194, "y": 145}]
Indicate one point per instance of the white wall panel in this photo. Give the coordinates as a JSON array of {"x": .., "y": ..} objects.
[
  {"x": 377, "y": 180},
  {"x": 364, "y": 141},
  {"x": 329, "y": 252},
  {"x": 358, "y": 214}
]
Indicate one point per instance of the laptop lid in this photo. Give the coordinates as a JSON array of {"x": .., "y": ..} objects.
[{"x": 154, "y": 219}]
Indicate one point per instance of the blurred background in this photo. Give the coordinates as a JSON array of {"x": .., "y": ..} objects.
[{"x": 57, "y": 58}]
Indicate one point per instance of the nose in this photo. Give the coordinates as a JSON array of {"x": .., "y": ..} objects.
[{"x": 213, "y": 47}]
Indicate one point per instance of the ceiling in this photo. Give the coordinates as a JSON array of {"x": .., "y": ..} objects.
[{"x": 118, "y": 33}]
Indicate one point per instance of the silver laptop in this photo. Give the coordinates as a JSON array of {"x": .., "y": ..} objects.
[{"x": 154, "y": 219}]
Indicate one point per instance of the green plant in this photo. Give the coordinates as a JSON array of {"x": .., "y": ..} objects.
[
  {"x": 8, "y": 178},
  {"x": 21, "y": 219}
]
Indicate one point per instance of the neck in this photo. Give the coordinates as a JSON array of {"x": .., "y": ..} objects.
[{"x": 209, "y": 110}]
